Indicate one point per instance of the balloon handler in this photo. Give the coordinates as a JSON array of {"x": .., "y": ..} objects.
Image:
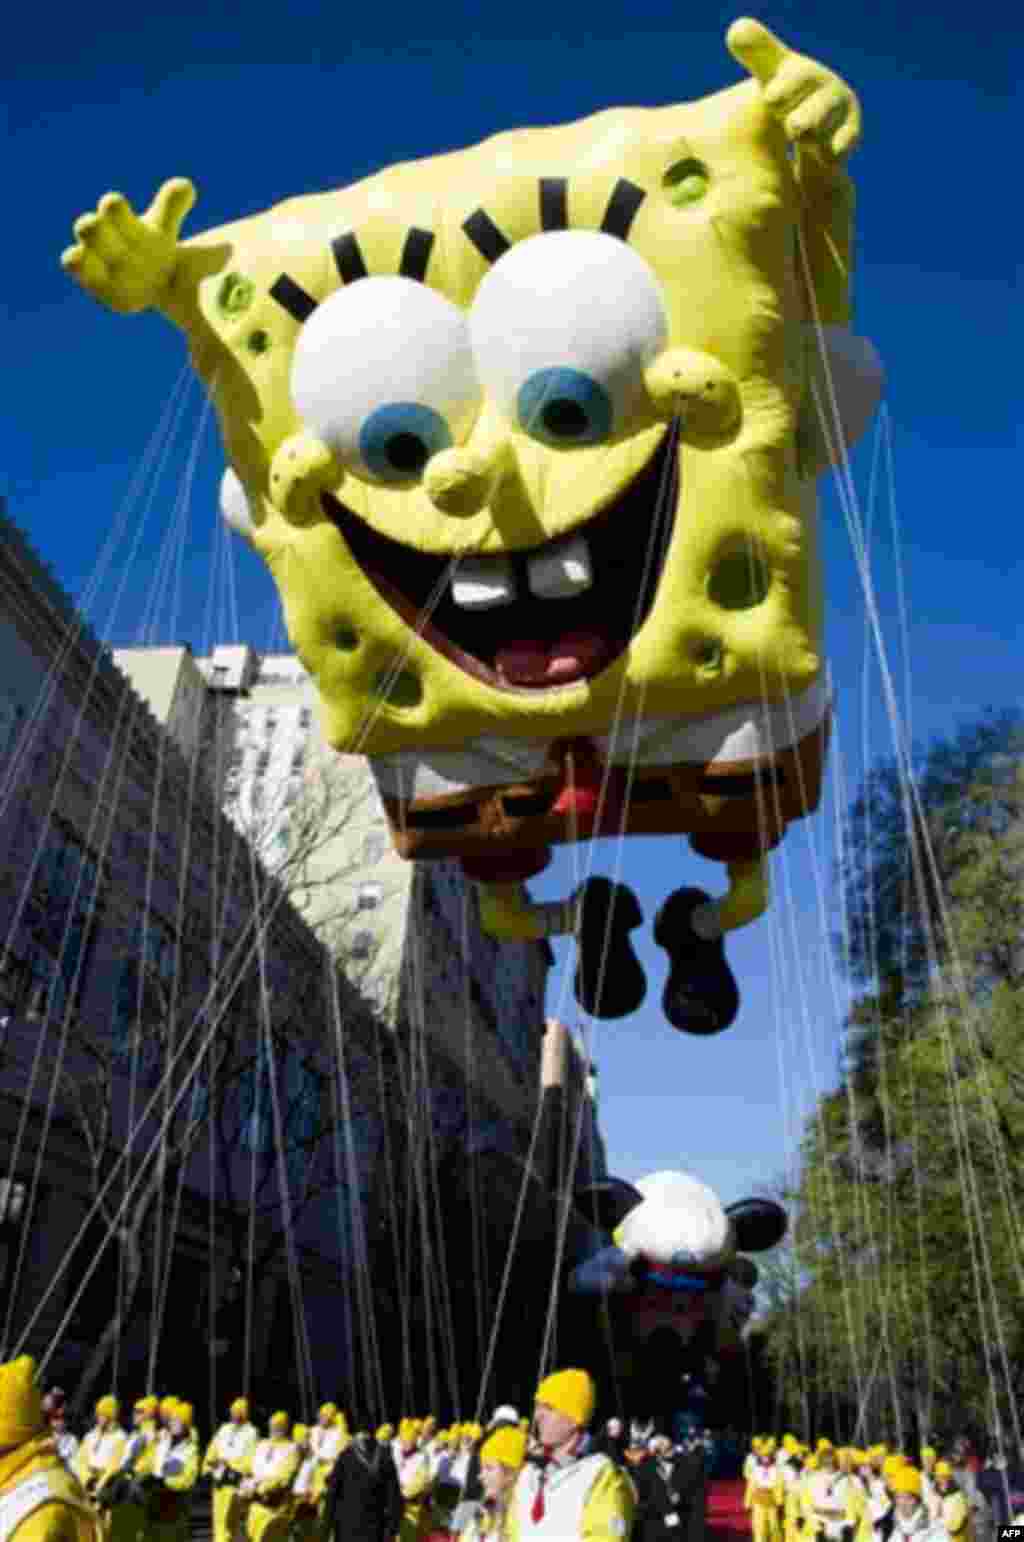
[{"x": 528, "y": 435}]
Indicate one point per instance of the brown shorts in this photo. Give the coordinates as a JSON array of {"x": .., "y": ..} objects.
[{"x": 732, "y": 812}]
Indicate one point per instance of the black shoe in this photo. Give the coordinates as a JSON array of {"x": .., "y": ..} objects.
[
  {"x": 701, "y": 994},
  {"x": 609, "y": 979}
]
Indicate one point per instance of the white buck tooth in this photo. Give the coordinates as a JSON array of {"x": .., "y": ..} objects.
[
  {"x": 482, "y": 583},
  {"x": 558, "y": 572}
]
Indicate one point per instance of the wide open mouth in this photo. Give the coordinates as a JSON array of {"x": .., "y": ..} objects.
[{"x": 548, "y": 616}]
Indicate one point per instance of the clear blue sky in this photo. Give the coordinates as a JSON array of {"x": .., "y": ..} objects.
[{"x": 260, "y": 102}]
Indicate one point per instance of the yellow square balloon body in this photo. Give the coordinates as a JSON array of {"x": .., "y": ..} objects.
[{"x": 728, "y": 269}]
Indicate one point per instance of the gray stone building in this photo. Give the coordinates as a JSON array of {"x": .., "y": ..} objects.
[{"x": 150, "y": 955}]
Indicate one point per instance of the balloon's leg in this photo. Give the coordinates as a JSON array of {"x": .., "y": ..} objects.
[
  {"x": 701, "y": 995},
  {"x": 600, "y": 914},
  {"x": 508, "y": 913}
]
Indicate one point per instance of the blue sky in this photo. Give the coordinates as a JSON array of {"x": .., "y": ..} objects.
[{"x": 260, "y": 103}]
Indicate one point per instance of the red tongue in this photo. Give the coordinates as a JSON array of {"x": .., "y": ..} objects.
[{"x": 576, "y": 656}]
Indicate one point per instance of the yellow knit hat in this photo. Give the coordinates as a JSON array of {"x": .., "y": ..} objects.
[
  {"x": 790, "y": 1444},
  {"x": 279, "y": 1421},
  {"x": 241, "y": 1406},
  {"x": 21, "y": 1410},
  {"x": 571, "y": 1393},
  {"x": 147, "y": 1404},
  {"x": 330, "y": 1409},
  {"x": 168, "y": 1406},
  {"x": 906, "y": 1481},
  {"x": 300, "y": 1433},
  {"x": 893, "y": 1464},
  {"x": 108, "y": 1408},
  {"x": 505, "y": 1446},
  {"x": 824, "y": 1445},
  {"x": 928, "y": 1451},
  {"x": 943, "y": 1470},
  {"x": 407, "y": 1429},
  {"x": 386, "y": 1432},
  {"x": 184, "y": 1412},
  {"x": 811, "y": 1464}
]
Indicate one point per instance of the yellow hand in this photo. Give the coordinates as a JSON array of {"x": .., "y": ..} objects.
[
  {"x": 124, "y": 259},
  {"x": 811, "y": 102}
]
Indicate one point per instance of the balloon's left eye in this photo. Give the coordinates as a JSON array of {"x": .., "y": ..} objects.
[
  {"x": 564, "y": 406},
  {"x": 397, "y": 440},
  {"x": 563, "y": 328}
]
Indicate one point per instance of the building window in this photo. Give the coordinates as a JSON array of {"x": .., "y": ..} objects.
[
  {"x": 361, "y": 944},
  {"x": 369, "y": 896},
  {"x": 60, "y": 921},
  {"x": 145, "y": 980}
]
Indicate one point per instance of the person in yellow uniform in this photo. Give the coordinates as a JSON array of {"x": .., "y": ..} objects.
[
  {"x": 910, "y": 1520},
  {"x": 328, "y": 1438},
  {"x": 100, "y": 1455},
  {"x": 566, "y": 1494},
  {"x": 169, "y": 1473},
  {"x": 879, "y": 1499},
  {"x": 268, "y": 1488},
  {"x": 40, "y": 1500},
  {"x": 854, "y": 1492},
  {"x": 414, "y": 1478},
  {"x": 226, "y": 1462},
  {"x": 501, "y": 1459},
  {"x": 303, "y": 1520},
  {"x": 791, "y": 1471},
  {"x": 765, "y": 1495},
  {"x": 119, "y": 1494},
  {"x": 951, "y": 1513}
]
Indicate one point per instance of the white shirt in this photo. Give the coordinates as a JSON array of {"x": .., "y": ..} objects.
[
  {"x": 232, "y": 1443},
  {"x": 326, "y": 1443},
  {"x": 304, "y": 1477},
  {"x": 100, "y": 1447},
  {"x": 566, "y": 1491}
]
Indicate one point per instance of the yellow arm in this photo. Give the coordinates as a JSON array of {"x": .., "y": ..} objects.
[{"x": 608, "y": 1512}]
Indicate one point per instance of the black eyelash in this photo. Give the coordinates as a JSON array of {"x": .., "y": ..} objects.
[
  {"x": 292, "y": 298},
  {"x": 554, "y": 203},
  {"x": 416, "y": 254},
  {"x": 485, "y": 235},
  {"x": 622, "y": 209},
  {"x": 348, "y": 259}
]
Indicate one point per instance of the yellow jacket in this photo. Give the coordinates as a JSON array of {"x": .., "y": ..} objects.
[
  {"x": 954, "y": 1516},
  {"x": 100, "y": 1455},
  {"x": 607, "y": 1504},
  {"x": 232, "y": 1446},
  {"x": 34, "y": 1481},
  {"x": 273, "y": 1464},
  {"x": 766, "y": 1489}
]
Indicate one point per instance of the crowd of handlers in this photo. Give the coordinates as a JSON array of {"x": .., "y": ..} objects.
[
  {"x": 848, "y": 1494},
  {"x": 544, "y": 1478}
]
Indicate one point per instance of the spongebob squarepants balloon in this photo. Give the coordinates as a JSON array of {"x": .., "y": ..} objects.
[{"x": 527, "y": 435}]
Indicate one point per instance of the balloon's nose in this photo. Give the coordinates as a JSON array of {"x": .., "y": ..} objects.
[{"x": 462, "y": 481}]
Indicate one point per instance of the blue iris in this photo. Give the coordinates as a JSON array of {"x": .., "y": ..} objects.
[
  {"x": 563, "y": 407},
  {"x": 396, "y": 441}
]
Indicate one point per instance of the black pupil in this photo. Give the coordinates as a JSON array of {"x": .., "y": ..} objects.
[
  {"x": 564, "y": 418},
  {"x": 407, "y": 452}
]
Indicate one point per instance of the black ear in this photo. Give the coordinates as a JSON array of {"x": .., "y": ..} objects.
[
  {"x": 744, "y": 1272},
  {"x": 757, "y": 1224},
  {"x": 605, "y": 1204}
]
